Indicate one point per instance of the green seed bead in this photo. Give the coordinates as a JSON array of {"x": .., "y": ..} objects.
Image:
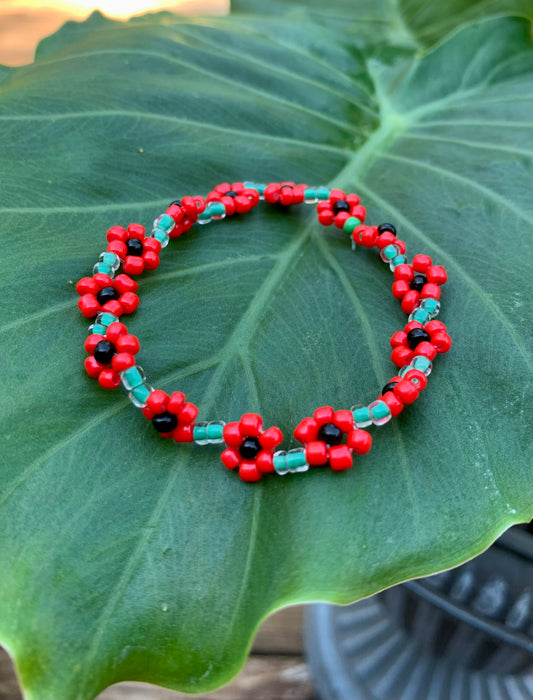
[
  {"x": 217, "y": 209},
  {"x": 166, "y": 223},
  {"x": 132, "y": 376},
  {"x": 310, "y": 193},
  {"x": 214, "y": 432},
  {"x": 141, "y": 393},
  {"x": 322, "y": 192},
  {"x": 260, "y": 188},
  {"x": 295, "y": 459},
  {"x": 351, "y": 224}
]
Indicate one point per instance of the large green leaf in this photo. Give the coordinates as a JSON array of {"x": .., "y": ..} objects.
[{"x": 126, "y": 557}]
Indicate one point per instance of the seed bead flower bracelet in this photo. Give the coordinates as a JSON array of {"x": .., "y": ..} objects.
[{"x": 329, "y": 437}]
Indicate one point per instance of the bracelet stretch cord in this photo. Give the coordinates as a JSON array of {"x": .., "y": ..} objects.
[{"x": 328, "y": 437}]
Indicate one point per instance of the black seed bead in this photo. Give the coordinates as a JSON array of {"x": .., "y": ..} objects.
[
  {"x": 341, "y": 205},
  {"x": 106, "y": 294},
  {"x": 330, "y": 434},
  {"x": 416, "y": 336},
  {"x": 104, "y": 351},
  {"x": 418, "y": 282},
  {"x": 286, "y": 187},
  {"x": 135, "y": 247},
  {"x": 388, "y": 387},
  {"x": 250, "y": 448},
  {"x": 230, "y": 193},
  {"x": 177, "y": 202},
  {"x": 386, "y": 227},
  {"x": 164, "y": 422}
]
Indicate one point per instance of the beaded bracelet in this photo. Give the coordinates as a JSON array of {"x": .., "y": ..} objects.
[{"x": 249, "y": 447}]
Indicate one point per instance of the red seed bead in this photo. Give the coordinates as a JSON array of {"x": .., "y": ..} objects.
[
  {"x": 102, "y": 280},
  {"x": 360, "y": 441},
  {"x": 426, "y": 349},
  {"x": 434, "y": 326},
  {"x": 340, "y": 457},
  {"x": 403, "y": 272},
  {"x": 127, "y": 343},
  {"x": 306, "y": 430},
  {"x": 189, "y": 205},
  {"x": 430, "y": 291},
  {"x": 129, "y": 301},
  {"x": 405, "y": 391},
  {"x": 343, "y": 420},
  {"x": 113, "y": 307},
  {"x": 411, "y": 325},
  {"x": 92, "y": 341},
  {"x": 285, "y": 196},
  {"x": 324, "y": 414},
  {"x": 248, "y": 471},
  {"x": 188, "y": 413},
  {"x": 398, "y": 338},
  {"x": 183, "y": 433},
  {"x": 119, "y": 248},
  {"x": 264, "y": 462},
  {"x": 123, "y": 283},
  {"x": 157, "y": 401},
  {"x": 271, "y": 438},
  {"x": 92, "y": 366},
  {"x": 108, "y": 379},
  {"x": 251, "y": 425},
  {"x": 242, "y": 204},
  {"x": 410, "y": 301},
  {"x": 231, "y": 433},
  {"x": 385, "y": 239},
  {"x": 352, "y": 199},
  {"x": 271, "y": 193},
  {"x": 136, "y": 231},
  {"x": 326, "y": 217},
  {"x": 393, "y": 402},
  {"x": 152, "y": 244},
  {"x": 133, "y": 265},
  {"x": 114, "y": 331},
  {"x": 87, "y": 285},
  {"x": 359, "y": 212},
  {"x": 422, "y": 263},
  {"x": 176, "y": 401},
  {"x": 401, "y": 355},
  {"x": 88, "y": 305},
  {"x": 316, "y": 453},
  {"x": 437, "y": 275},
  {"x": 151, "y": 260},
  {"x": 176, "y": 212},
  {"x": 230, "y": 458},
  {"x": 336, "y": 196},
  {"x": 117, "y": 233},
  {"x": 369, "y": 236},
  {"x": 417, "y": 378},
  {"x": 122, "y": 361},
  {"x": 401, "y": 246},
  {"x": 341, "y": 218},
  {"x": 400, "y": 289},
  {"x": 200, "y": 204},
  {"x": 441, "y": 342}
]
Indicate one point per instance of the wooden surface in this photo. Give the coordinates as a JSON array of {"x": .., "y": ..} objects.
[{"x": 275, "y": 670}]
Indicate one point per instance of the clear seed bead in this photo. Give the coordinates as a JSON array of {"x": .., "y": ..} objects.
[
  {"x": 361, "y": 416},
  {"x": 103, "y": 268},
  {"x": 104, "y": 318},
  {"x": 161, "y": 236},
  {"x": 310, "y": 196},
  {"x": 431, "y": 306},
  {"x": 423, "y": 364},
  {"x": 131, "y": 378},
  {"x": 204, "y": 217},
  {"x": 398, "y": 260},
  {"x": 140, "y": 394},
  {"x": 380, "y": 412},
  {"x": 296, "y": 460},
  {"x": 209, "y": 432},
  {"x": 280, "y": 465},
  {"x": 419, "y": 314},
  {"x": 390, "y": 252},
  {"x": 110, "y": 259}
]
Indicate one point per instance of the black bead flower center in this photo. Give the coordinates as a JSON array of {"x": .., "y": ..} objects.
[
  {"x": 104, "y": 351},
  {"x": 135, "y": 247},
  {"x": 330, "y": 434},
  {"x": 250, "y": 448},
  {"x": 418, "y": 282},
  {"x": 341, "y": 205},
  {"x": 106, "y": 294},
  {"x": 386, "y": 227},
  {"x": 164, "y": 422},
  {"x": 388, "y": 387},
  {"x": 230, "y": 193},
  {"x": 416, "y": 336}
]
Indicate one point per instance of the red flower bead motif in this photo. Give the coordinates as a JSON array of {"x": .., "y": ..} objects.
[
  {"x": 420, "y": 280},
  {"x": 338, "y": 208},
  {"x": 184, "y": 212},
  {"x": 101, "y": 293},
  {"x": 285, "y": 193},
  {"x": 110, "y": 354},
  {"x": 250, "y": 448},
  {"x": 416, "y": 339},
  {"x": 137, "y": 252},
  {"x": 323, "y": 434},
  {"x": 236, "y": 198},
  {"x": 171, "y": 416}
]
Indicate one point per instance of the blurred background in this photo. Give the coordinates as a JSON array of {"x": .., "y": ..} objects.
[{"x": 24, "y": 22}]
